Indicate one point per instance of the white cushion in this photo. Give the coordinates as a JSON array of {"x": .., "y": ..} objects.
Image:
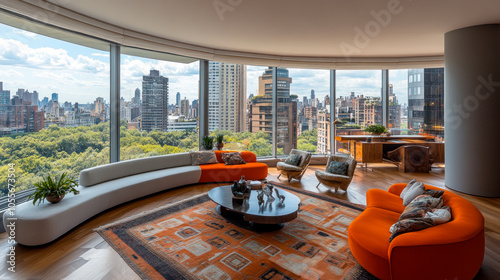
[
  {"x": 415, "y": 190},
  {"x": 439, "y": 216},
  {"x": 402, "y": 195}
]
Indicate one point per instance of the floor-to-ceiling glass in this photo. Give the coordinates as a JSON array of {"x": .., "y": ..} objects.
[{"x": 54, "y": 108}]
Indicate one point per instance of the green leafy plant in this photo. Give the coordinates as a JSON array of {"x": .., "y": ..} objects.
[
  {"x": 53, "y": 187},
  {"x": 375, "y": 129},
  {"x": 207, "y": 143},
  {"x": 219, "y": 139}
]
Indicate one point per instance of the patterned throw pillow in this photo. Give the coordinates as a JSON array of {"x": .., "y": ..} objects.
[
  {"x": 336, "y": 167},
  {"x": 293, "y": 159},
  {"x": 434, "y": 193},
  {"x": 232, "y": 158},
  {"x": 415, "y": 210},
  {"x": 203, "y": 157},
  {"x": 409, "y": 225}
]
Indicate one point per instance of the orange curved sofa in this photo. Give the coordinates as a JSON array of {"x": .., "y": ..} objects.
[
  {"x": 219, "y": 172},
  {"x": 454, "y": 250}
]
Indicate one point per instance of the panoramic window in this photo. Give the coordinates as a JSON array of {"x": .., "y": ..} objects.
[
  {"x": 310, "y": 90},
  {"x": 426, "y": 101},
  {"x": 228, "y": 106},
  {"x": 158, "y": 108},
  {"x": 358, "y": 103},
  {"x": 54, "y": 107},
  {"x": 258, "y": 138},
  {"x": 398, "y": 102}
]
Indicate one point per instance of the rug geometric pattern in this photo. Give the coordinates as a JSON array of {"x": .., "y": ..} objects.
[{"x": 190, "y": 240}]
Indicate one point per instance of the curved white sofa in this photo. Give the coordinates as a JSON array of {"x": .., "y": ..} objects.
[{"x": 106, "y": 186}]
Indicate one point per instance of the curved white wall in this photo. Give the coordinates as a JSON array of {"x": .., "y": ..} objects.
[{"x": 472, "y": 110}]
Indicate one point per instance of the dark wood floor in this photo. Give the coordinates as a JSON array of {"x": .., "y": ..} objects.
[{"x": 83, "y": 254}]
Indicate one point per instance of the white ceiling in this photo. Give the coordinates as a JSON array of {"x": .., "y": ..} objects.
[{"x": 314, "y": 28}]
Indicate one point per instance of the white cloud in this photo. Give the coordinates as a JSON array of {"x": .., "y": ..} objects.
[
  {"x": 101, "y": 54},
  {"x": 24, "y": 33},
  {"x": 13, "y": 52}
]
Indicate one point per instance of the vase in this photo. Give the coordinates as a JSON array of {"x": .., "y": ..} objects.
[
  {"x": 220, "y": 146},
  {"x": 54, "y": 198}
]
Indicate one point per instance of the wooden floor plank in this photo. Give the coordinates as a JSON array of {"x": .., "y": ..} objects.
[{"x": 82, "y": 253}]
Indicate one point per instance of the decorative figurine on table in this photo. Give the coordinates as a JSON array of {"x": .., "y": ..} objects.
[
  {"x": 268, "y": 191},
  {"x": 260, "y": 197},
  {"x": 240, "y": 189},
  {"x": 280, "y": 196}
]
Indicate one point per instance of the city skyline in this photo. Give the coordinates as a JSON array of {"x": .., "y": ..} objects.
[{"x": 79, "y": 74}]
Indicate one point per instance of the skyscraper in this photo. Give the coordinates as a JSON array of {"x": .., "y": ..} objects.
[
  {"x": 4, "y": 95},
  {"x": 55, "y": 97},
  {"x": 227, "y": 96},
  {"x": 137, "y": 97},
  {"x": 287, "y": 109},
  {"x": 178, "y": 99},
  {"x": 313, "y": 95},
  {"x": 426, "y": 101},
  {"x": 185, "y": 107},
  {"x": 154, "y": 101},
  {"x": 213, "y": 95}
]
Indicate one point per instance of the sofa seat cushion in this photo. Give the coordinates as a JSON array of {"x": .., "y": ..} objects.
[
  {"x": 369, "y": 239},
  {"x": 384, "y": 200},
  {"x": 288, "y": 167},
  {"x": 220, "y": 172},
  {"x": 332, "y": 177}
]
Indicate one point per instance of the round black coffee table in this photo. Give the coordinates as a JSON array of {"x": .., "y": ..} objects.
[{"x": 247, "y": 212}]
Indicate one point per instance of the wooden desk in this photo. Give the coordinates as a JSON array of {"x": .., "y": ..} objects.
[
  {"x": 347, "y": 138},
  {"x": 373, "y": 152}
]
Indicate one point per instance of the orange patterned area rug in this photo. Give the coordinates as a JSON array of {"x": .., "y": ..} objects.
[{"x": 190, "y": 240}]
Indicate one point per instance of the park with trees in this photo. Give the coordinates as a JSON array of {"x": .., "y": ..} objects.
[{"x": 57, "y": 150}]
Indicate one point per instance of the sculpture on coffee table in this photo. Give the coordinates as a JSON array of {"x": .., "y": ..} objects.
[
  {"x": 268, "y": 191},
  {"x": 280, "y": 196},
  {"x": 240, "y": 189}
]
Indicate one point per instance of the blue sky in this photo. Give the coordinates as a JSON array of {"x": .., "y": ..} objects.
[{"x": 81, "y": 74}]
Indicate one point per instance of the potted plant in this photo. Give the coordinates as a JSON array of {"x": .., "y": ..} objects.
[
  {"x": 207, "y": 143},
  {"x": 219, "y": 139},
  {"x": 375, "y": 129},
  {"x": 53, "y": 189}
]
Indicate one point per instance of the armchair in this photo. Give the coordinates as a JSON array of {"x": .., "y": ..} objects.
[
  {"x": 292, "y": 171},
  {"x": 335, "y": 180}
]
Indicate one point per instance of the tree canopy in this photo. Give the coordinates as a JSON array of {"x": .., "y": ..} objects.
[{"x": 68, "y": 150}]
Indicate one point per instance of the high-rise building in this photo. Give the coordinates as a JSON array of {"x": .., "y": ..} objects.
[
  {"x": 154, "y": 101},
  {"x": 4, "y": 95},
  {"x": 232, "y": 97},
  {"x": 184, "y": 108},
  {"x": 137, "y": 97},
  {"x": 17, "y": 117},
  {"x": 313, "y": 95},
  {"x": 227, "y": 96},
  {"x": 194, "y": 109},
  {"x": 178, "y": 99},
  {"x": 287, "y": 109},
  {"x": 213, "y": 95},
  {"x": 55, "y": 97},
  {"x": 426, "y": 101}
]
